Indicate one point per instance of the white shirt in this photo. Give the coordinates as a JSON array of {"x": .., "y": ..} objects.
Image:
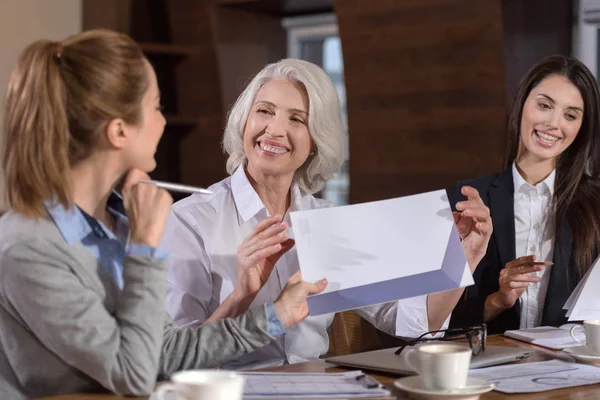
[
  {"x": 533, "y": 235},
  {"x": 202, "y": 237}
]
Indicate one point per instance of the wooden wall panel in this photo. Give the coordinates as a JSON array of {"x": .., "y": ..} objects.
[
  {"x": 199, "y": 91},
  {"x": 425, "y": 93},
  {"x": 246, "y": 41},
  {"x": 534, "y": 29}
]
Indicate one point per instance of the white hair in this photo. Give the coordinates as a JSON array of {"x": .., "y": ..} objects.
[{"x": 324, "y": 121}]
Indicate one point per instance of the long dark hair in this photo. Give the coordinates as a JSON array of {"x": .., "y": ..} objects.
[{"x": 576, "y": 198}]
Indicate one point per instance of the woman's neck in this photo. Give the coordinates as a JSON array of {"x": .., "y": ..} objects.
[
  {"x": 274, "y": 191},
  {"x": 534, "y": 170},
  {"x": 91, "y": 184}
]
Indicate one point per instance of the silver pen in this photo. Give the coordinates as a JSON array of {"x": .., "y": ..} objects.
[{"x": 176, "y": 187}]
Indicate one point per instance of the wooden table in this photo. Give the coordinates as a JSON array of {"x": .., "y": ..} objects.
[{"x": 576, "y": 393}]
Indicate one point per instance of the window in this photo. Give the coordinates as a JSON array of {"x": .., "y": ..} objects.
[
  {"x": 315, "y": 38},
  {"x": 586, "y": 33}
]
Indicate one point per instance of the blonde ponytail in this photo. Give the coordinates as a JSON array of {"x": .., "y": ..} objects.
[{"x": 60, "y": 96}]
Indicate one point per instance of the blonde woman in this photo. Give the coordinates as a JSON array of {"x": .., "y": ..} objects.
[{"x": 82, "y": 279}]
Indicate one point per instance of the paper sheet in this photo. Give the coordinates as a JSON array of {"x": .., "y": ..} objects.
[
  {"x": 548, "y": 336},
  {"x": 538, "y": 376},
  {"x": 584, "y": 302},
  {"x": 265, "y": 385},
  {"x": 576, "y": 292},
  {"x": 380, "y": 251}
]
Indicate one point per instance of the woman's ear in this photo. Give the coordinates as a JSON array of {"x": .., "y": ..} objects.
[{"x": 116, "y": 133}]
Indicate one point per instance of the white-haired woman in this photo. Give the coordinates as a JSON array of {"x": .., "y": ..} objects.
[{"x": 285, "y": 139}]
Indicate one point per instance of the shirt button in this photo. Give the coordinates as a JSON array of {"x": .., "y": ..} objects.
[
  {"x": 536, "y": 227},
  {"x": 532, "y": 248}
]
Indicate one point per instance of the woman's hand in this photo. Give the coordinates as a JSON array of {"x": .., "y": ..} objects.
[
  {"x": 291, "y": 305},
  {"x": 474, "y": 226},
  {"x": 514, "y": 279},
  {"x": 258, "y": 254},
  {"x": 147, "y": 208}
]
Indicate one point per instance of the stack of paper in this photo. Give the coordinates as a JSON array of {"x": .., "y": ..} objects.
[
  {"x": 584, "y": 302},
  {"x": 538, "y": 376},
  {"x": 380, "y": 251},
  {"x": 276, "y": 385},
  {"x": 548, "y": 336}
]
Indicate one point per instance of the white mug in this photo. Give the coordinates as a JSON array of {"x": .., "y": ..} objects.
[
  {"x": 203, "y": 385},
  {"x": 442, "y": 366},
  {"x": 591, "y": 328}
]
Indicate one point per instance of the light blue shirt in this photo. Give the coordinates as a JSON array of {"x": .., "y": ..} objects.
[
  {"x": 107, "y": 247},
  {"x": 110, "y": 248}
]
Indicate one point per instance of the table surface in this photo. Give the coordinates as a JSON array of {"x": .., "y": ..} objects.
[{"x": 575, "y": 393}]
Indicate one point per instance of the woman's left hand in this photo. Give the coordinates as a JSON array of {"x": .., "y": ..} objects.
[{"x": 474, "y": 225}]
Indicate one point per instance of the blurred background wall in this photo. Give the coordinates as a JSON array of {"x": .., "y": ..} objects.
[
  {"x": 22, "y": 22},
  {"x": 424, "y": 84}
]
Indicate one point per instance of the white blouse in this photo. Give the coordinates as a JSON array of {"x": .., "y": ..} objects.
[
  {"x": 533, "y": 235},
  {"x": 202, "y": 237}
]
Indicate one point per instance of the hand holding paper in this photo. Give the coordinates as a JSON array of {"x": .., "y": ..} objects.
[
  {"x": 383, "y": 251},
  {"x": 474, "y": 226},
  {"x": 291, "y": 305}
]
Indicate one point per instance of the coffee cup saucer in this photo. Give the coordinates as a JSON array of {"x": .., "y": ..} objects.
[
  {"x": 583, "y": 355},
  {"x": 415, "y": 387}
]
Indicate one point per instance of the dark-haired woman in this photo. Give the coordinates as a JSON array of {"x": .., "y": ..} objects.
[{"x": 545, "y": 205}]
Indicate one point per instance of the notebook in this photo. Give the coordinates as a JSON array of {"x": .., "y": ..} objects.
[
  {"x": 548, "y": 336},
  {"x": 385, "y": 360}
]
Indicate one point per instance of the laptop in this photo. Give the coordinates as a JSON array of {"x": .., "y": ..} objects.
[{"x": 385, "y": 360}]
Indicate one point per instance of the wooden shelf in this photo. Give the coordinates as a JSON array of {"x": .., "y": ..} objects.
[
  {"x": 177, "y": 121},
  {"x": 281, "y": 8},
  {"x": 166, "y": 49}
]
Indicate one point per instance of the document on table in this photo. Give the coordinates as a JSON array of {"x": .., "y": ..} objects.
[
  {"x": 380, "y": 251},
  {"x": 538, "y": 376},
  {"x": 276, "y": 385},
  {"x": 548, "y": 336},
  {"x": 584, "y": 302}
]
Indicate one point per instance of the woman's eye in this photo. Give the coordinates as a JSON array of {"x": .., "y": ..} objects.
[
  {"x": 570, "y": 117},
  {"x": 544, "y": 106}
]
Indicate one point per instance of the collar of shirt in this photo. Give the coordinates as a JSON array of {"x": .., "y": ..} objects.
[
  {"x": 520, "y": 183},
  {"x": 248, "y": 202},
  {"x": 74, "y": 226}
]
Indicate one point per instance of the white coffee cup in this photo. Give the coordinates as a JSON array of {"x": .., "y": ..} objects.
[
  {"x": 203, "y": 385},
  {"x": 442, "y": 366},
  {"x": 591, "y": 328}
]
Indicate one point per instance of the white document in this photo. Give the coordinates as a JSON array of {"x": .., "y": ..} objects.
[
  {"x": 548, "y": 336},
  {"x": 584, "y": 302},
  {"x": 538, "y": 376},
  {"x": 380, "y": 251},
  {"x": 276, "y": 385}
]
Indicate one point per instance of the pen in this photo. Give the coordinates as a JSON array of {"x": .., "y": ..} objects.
[
  {"x": 176, "y": 187},
  {"x": 368, "y": 382}
]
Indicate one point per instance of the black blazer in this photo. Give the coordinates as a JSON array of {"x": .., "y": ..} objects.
[{"x": 497, "y": 192}]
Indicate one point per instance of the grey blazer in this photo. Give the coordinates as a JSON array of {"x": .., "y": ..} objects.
[{"x": 65, "y": 327}]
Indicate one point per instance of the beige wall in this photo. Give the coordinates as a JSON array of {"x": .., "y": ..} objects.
[{"x": 23, "y": 21}]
